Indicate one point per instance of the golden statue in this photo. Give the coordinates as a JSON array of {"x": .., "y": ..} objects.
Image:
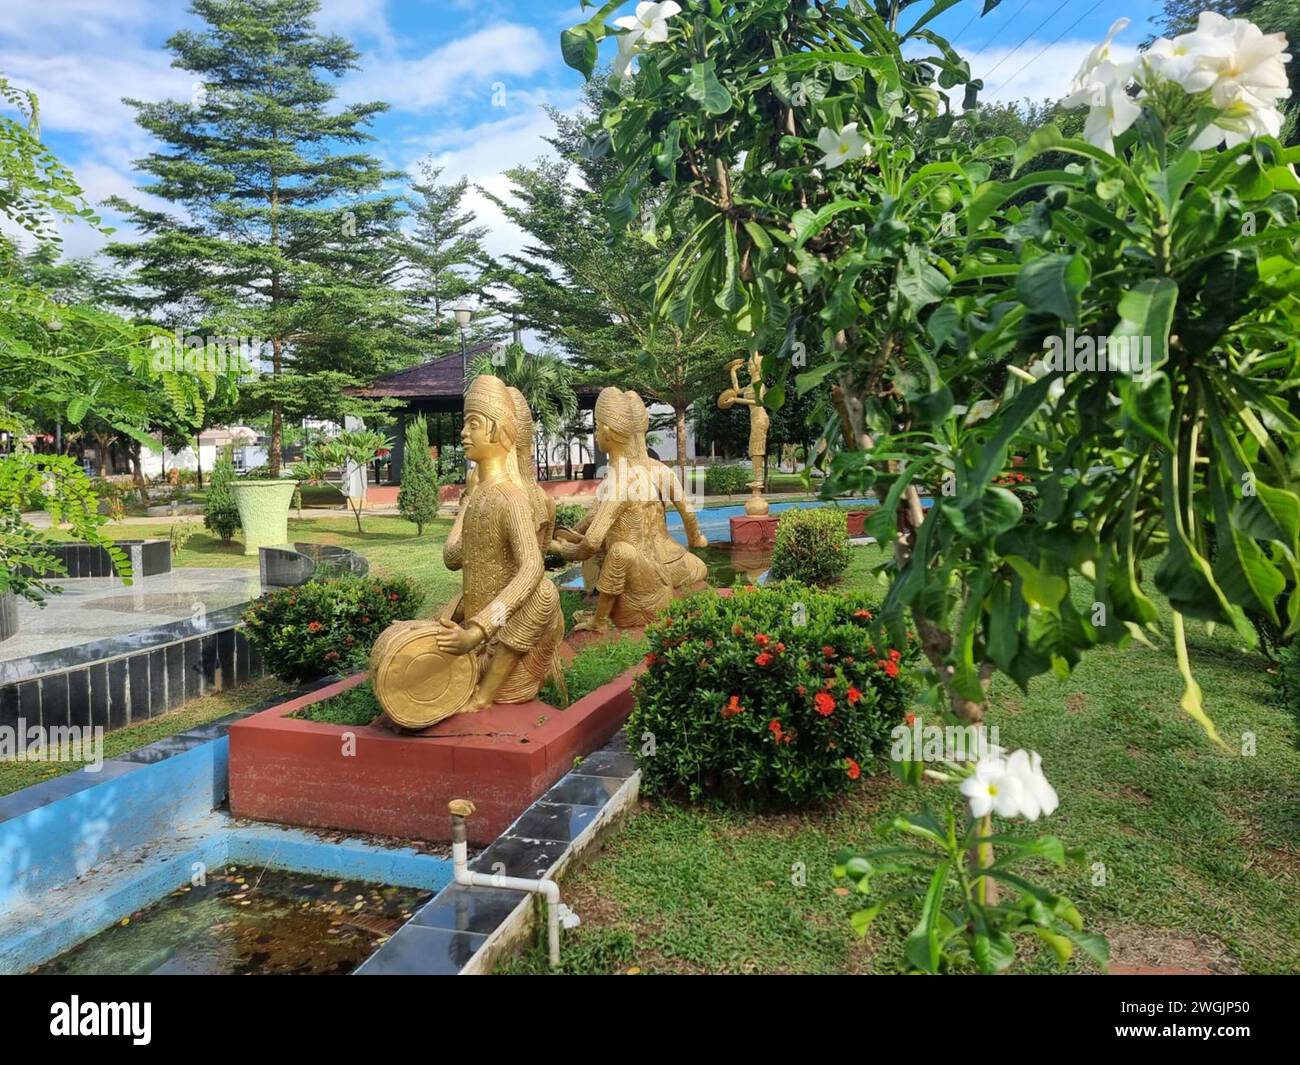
[
  {"x": 685, "y": 570},
  {"x": 543, "y": 505},
  {"x": 751, "y": 396},
  {"x": 620, "y": 530},
  {"x": 498, "y": 641}
]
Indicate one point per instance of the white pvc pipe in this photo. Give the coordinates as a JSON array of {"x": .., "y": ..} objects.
[{"x": 461, "y": 873}]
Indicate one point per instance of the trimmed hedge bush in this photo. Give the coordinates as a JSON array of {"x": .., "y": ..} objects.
[
  {"x": 220, "y": 513},
  {"x": 324, "y": 627},
  {"x": 727, "y": 480},
  {"x": 812, "y": 546},
  {"x": 775, "y": 697}
]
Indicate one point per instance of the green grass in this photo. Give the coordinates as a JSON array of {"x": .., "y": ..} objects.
[
  {"x": 16, "y": 775},
  {"x": 390, "y": 543},
  {"x": 356, "y": 706},
  {"x": 1198, "y": 844},
  {"x": 596, "y": 664}
]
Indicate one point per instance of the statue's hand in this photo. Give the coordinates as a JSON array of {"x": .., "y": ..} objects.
[{"x": 456, "y": 639}]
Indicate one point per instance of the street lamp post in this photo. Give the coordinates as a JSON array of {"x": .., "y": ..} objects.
[{"x": 464, "y": 315}]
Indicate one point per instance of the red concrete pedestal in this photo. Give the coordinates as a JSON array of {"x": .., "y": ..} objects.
[
  {"x": 375, "y": 780},
  {"x": 750, "y": 531}
]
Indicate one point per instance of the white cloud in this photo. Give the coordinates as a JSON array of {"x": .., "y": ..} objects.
[
  {"x": 1046, "y": 77},
  {"x": 497, "y": 52}
]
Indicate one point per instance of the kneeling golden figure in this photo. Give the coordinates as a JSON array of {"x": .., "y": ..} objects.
[{"x": 497, "y": 642}]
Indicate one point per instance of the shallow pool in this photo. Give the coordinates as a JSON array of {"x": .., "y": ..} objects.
[{"x": 248, "y": 921}]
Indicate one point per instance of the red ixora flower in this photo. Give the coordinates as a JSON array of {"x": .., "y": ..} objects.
[
  {"x": 762, "y": 639},
  {"x": 314, "y": 626},
  {"x": 894, "y": 655},
  {"x": 763, "y": 658},
  {"x": 855, "y": 696},
  {"x": 365, "y": 619},
  {"x": 651, "y": 659},
  {"x": 736, "y": 630},
  {"x": 910, "y": 719},
  {"x": 393, "y": 596},
  {"x": 890, "y": 668},
  {"x": 852, "y": 768},
  {"x": 825, "y": 703},
  {"x": 828, "y": 651},
  {"x": 801, "y": 690},
  {"x": 733, "y": 707},
  {"x": 775, "y": 727},
  {"x": 863, "y": 614},
  {"x": 332, "y": 656},
  {"x": 780, "y": 648}
]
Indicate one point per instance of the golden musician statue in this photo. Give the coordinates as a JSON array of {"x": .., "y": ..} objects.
[
  {"x": 498, "y": 641},
  {"x": 751, "y": 396},
  {"x": 620, "y": 533}
]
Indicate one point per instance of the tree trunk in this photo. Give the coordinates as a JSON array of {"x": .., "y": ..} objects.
[
  {"x": 277, "y": 412},
  {"x": 681, "y": 445},
  {"x": 198, "y": 465},
  {"x": 137, "y": 470}
]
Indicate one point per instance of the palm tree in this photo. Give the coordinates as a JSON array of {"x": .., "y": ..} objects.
[{"x": 545, "y": 380}]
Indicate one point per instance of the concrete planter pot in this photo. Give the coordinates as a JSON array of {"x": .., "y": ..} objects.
[{"x": 263, "y": 512}]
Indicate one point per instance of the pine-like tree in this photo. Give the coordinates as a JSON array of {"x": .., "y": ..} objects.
[
  {"x": 220, "y": 514},
  {"x": 444, "y": 257},
  {"x": 417, "y": 499},
  {"x": 283, "y": 233}
]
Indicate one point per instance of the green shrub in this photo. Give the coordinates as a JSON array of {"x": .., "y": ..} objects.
[
  {"x": 220, "y": 514},
  {"x": 727, "y": 480},
  {"x": 326, "y": 627},
  {"x": 569, "y": 515},
  {"x": 417, "y": 499},
  {"x": 812, "y": 546},
  {"x": 1288, "y": 677},
  {"x": 780, "y": 696}
]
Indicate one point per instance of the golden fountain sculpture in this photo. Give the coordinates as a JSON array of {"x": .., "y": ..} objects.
[
  {"x": 499, "y": 639},
  {"x": 751, "y": 396},
  {"x": 620, "y": 532}
]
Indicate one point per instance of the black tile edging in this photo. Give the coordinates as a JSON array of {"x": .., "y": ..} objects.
[
  {"x": 414, "y": 950},
  {"x": 24, "y": 800}
]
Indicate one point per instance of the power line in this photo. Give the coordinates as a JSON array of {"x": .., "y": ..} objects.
[
  {"x": 968, "y": 21},
  {"x": 1048, "y": 45},
  {"x": 1029, "y": 38},
  {"x": 1004, "y": 27}
]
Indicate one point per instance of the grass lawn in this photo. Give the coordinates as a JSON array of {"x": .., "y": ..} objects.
[
  {"x": 390, "y": 543},
  {"x": 1200, "y": 846},
  {"x": 16, "y": 775}
]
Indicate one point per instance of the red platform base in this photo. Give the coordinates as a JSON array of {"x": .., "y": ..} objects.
[
  {"x": 754, "y": 531},
  {"x": 372, "y": 779}
]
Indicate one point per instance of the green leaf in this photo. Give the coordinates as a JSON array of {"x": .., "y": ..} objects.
[
  {"x": 578, "y": 46},
  {"x": 919, "y": 283},
  {"x": 922, "y": 946},
  {"x": 1040, "y": 589},
  {"x": 986, "y": 516},
  {"x": 706, "y": 90},
  {"x": 1146, "y": 315},
  {"x": 861, "y": 919},
  {"x": 1061, "y": 945},
  {"x": 994, "y": 953},
  {"x": 1053, "y": 284},
  {"x": 807, "y": 224}
]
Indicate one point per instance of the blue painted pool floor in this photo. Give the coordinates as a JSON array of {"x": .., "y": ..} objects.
[{"x": 58, "y": 919}]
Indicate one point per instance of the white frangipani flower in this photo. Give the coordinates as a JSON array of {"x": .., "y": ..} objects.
[
  {"x": 1041, "y": 369},
  {"x": 980, "y": 410},
  {"x": 1102, "y": 84},
  {"x": 650, "y": 22},
  {"x": 1037, "y": 796},
  {"x": 628, "y": 47},
  {"x": 991, "y": 788},
  {"x": 568, "y": 919},
  {"x": 842, "y": 147}
]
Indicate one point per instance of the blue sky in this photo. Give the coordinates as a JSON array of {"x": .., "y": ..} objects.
[{"x": 467, "y": 79}]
